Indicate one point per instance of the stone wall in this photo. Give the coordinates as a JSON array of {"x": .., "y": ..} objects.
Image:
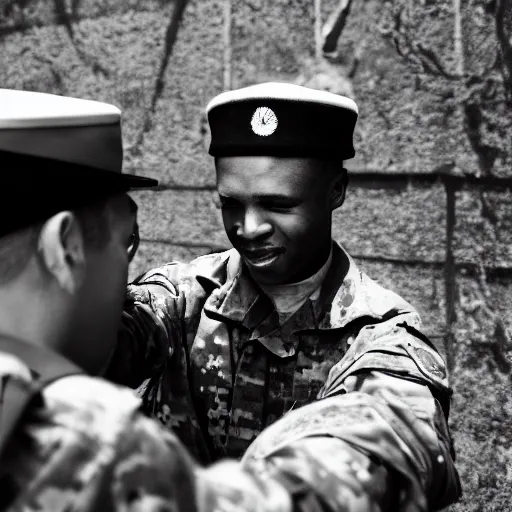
[{"x": 444, "y": 245}]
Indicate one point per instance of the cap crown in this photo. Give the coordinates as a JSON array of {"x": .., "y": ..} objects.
[
  {"x": 281, "y": 119},
  {"x": 62, "y": 129}
]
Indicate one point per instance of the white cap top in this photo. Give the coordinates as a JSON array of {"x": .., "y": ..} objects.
[
  {"x": 282, "y": 91},
  {"x": 26, "y": 109}
]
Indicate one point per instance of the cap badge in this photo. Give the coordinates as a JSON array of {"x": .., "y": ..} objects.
[{"x": 264, "y": 121}]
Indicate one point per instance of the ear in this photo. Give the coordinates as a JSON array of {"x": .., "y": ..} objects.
[
  {"x": 61, "y": 248},
  {"x": 338, "y": 190}
]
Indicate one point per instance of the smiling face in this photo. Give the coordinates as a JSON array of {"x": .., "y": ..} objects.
[{"x": 277, "y": 214}]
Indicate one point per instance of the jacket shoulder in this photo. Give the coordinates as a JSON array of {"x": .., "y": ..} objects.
[
  {"x": 394, "y": 346},
  {"x": 89, "y": 444},
  {"x": 90, "y": 406},
  {"x": 359, "y": 297},
  {"x": 383, "y": 301}
]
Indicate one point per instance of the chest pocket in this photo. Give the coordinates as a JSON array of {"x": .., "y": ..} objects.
[
  {"x": 294, "y": 382},
  {"x": 212, "y": 376},
  {"x": 231, "y": 376},
  {"x": 242, "y": 387}
]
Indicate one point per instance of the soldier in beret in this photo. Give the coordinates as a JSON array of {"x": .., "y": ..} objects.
[
  {"x": 280, "y": 352},
  {"x": 69, "y": 441}
]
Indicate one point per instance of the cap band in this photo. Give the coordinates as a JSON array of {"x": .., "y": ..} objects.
[{"x": 98, "y": 147}]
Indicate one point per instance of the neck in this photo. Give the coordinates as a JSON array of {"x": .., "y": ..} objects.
[
  {"x": 288, "y": 298},
  {"x": 24, "y": 315},
  {"x": 314, "y": 265}
]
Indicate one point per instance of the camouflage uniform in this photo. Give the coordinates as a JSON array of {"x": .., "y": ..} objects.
[
  {"x": 361, "y": 396},
  {"x": 87, "y": 447}
]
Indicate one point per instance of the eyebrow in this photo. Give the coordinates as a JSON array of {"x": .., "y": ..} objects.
[{"x": 267, "y": 197}]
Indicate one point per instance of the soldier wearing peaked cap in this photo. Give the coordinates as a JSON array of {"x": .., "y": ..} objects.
[
  {"x": 69, "y": 441},
  {"x": 280, "y": 352}
]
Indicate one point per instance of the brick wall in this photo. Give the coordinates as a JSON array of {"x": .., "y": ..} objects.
[{"x": 444, "y": 245}]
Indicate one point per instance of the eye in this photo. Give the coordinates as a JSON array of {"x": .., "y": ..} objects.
[
  {"x": 278, "y": 205},
  {"x": 226, "y": 203}
]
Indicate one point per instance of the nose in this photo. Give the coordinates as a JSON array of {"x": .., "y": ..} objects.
[{"x": 253, "y": 225}]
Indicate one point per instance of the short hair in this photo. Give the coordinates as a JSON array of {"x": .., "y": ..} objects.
[
  {"x": 16, "y": 249},
  {"x": 95, "y": 223}
]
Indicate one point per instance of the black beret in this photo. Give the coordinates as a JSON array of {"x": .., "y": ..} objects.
[{"x": 281, "y": 119}]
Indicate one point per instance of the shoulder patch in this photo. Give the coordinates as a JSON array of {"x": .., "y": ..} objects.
[{"x": 429, "y": 362}]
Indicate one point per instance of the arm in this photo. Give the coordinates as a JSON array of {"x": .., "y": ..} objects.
[
  {"x": 376, "y": 440},
  {"x": 317, "y": 473},
  {"x": 151, "y": 328},
  {"x": 388, "y": 399},
  {"x": 151, "y": 471}
]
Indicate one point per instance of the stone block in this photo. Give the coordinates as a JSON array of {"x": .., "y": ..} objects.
[
  {"x": 174, "y": 149},
  {"x": 181, "y": 218},
  {"x": 483, "y": 233},
  {"x": 481, "y": 411},
  {"x": 407, "y": 225},
  {"x": 155, "y": 254},
  {"x": 20, "y": 15},
  {"x": 112, "y": 59}
]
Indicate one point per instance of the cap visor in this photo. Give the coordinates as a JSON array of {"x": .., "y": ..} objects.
[{"x": 133, "y": 182}]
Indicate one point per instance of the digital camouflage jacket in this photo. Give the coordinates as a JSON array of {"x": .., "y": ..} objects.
[
  {"x": 84, "y": 446},
  {"x": 343, "y": 407}
]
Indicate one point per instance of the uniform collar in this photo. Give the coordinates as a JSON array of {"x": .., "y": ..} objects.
[
  {"x": 238, "y": 299},
  {"x": 288, "y": 298},
  {"x": 346, "y": 295}
]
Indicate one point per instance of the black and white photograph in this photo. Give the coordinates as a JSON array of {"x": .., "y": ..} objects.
[{"x": 256, "y": 255}]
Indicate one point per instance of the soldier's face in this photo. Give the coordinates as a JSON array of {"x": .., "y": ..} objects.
[
  {"x": 104, "y": 287},
  {"x": 277, "y": 214}
]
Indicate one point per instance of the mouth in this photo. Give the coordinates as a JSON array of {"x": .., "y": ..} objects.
[{"x": 263, "y": 257}]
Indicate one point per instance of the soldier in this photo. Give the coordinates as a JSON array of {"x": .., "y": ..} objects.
[
  {"x": 69, "y": 441},
  {"x": 281, "y": 351}
]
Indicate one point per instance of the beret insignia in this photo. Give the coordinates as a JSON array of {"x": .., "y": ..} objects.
[{"x": 264, "y": 121}]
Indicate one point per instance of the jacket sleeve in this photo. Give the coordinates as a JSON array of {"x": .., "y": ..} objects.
[
  {"x": 151, "y": 328},
  {"x": 150, "y": 471},
  {"x": 377, "y": 439}
]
